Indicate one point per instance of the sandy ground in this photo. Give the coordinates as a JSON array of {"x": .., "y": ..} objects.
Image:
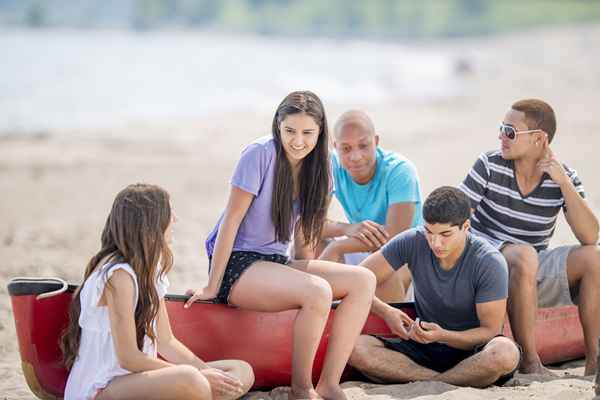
[{"x": 57, "y": 187}]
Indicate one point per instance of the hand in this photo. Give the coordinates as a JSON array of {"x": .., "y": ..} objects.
[
  {"x": 222, "y": 384},
  {"x": 206, "y": 293},
  {"x": 370, "y": 233},
  {"x": 399, "y": 323},
  {"x": 550, "y": 165},
  {"x": 426, "y": 332}
]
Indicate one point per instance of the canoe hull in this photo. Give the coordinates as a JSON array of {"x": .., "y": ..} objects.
[{"x": 214, "y": 331}]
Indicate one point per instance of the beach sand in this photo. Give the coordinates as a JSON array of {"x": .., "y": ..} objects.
[{"x": 57, "y": 186}]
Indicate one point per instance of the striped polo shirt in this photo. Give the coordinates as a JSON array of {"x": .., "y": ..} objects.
[{"x": 502, "y": 215}]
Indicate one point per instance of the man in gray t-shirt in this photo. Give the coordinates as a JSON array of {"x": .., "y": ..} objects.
[{"x": 461, "y": 286}]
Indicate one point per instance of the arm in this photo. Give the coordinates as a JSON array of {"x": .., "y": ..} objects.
[
  {"x": 399, "y": 218},
  {"x": 303, "y": 251},
  {"x": 176, "y": 352},
  {"x": 360, "y": 237},
  {"x": 169, "y": 347},
  {"x": 333, "y": 229},
  {"x": 397, "y": 320},
  {"x": 119, "y": 294},
  {"x": 491, "y": 317},
  {"x": 237, "y": 207},
  {"x": 368, "y": 235},
  {"x": 475, "y": 183},
  {"x": 579, "y": 215}
]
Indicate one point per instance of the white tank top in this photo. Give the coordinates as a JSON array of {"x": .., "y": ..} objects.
[{"x": 97, "y": 364}]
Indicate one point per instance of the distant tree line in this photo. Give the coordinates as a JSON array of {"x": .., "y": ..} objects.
[{"x": 337, "y": 18}]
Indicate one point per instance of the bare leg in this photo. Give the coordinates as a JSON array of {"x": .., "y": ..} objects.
[
  {"x": 158, "y": 384},
  {"x": 499, "y": 357},
  {"x": 583, "y": 269},
  {"x": 522, "y": 303},
  {"x": 355, "y": 287},
  {"x": 237, "y": 368},
  {"x": 393, "y": 289},
  {"x": 375, "y": 361},
  {"x": 272, "y": 287}
]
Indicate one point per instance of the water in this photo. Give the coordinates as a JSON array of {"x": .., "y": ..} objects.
[{"x": 65, "y": 79}]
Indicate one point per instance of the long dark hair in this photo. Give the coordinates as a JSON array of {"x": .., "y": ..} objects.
[
  {"x": 314, "y": 181},
  {"x": 134, "y": 234}
]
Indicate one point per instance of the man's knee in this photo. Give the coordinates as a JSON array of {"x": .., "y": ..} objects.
[
  {"x": 522, "y": 261},
  {"x": 362, "y": 352},
  {"x": 584, "y": 261},
  {"x": 504, "y": 355}
]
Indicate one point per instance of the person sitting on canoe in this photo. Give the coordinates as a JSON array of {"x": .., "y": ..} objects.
[
  {"x": 460, "y": 287},
  {"x": 119, "y": 322},
  {"x": 280, "y": 189},
  {"x": 516, "y": 193},
  {"x": 380, "y": 194}
]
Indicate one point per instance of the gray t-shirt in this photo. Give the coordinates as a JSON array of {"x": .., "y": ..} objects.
[{"x": 448, "y": 297}]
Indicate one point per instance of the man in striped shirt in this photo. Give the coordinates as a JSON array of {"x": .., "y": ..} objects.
[{"x": 516, "y": 194}]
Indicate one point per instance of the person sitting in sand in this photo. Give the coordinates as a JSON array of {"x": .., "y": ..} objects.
[
  {"x": 380, "y": 194},
  {"x": 280, "y": 190},
  {"x": 460, "y": 287},
  {"x": 119, "y": 322},
  {"x": 516, "y": 194}
]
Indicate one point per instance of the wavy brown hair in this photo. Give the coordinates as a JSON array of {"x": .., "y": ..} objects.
[
  {"x": 134, "y": 233},
  {"x": 314, "y": 177}
]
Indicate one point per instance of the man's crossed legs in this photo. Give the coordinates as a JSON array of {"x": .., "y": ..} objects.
[{"x": 399, "y": 361}]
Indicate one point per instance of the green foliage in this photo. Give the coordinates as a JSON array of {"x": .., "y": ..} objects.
[{"x": 339, "y": 18}]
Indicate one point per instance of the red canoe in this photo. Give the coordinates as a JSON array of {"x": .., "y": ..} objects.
[{"x": 215, "y": 331}]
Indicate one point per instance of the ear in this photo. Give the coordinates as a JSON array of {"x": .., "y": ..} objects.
[
  {"x": 540, "y": 138},
  {"x": 376, "y": 140},
  {"x": 467, "y": 225}
]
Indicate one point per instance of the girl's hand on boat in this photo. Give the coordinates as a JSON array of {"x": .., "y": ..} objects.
[
  {"x": 399, "y": 323},
  {"x": 205, "y": 293},
  {"x": 221, "y": 383}
]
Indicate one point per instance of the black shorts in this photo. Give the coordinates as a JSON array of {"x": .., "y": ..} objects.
[
  {"x": 238, "y": 263},
  {"x": 438, "y": 357}
]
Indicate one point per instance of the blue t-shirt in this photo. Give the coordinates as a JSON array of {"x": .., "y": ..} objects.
[
  {"x": 449, "y": 297},
  {"x": 395, "y": 181}
]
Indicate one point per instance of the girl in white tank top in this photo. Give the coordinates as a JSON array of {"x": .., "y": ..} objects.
[{"x": 119, "y": 321}]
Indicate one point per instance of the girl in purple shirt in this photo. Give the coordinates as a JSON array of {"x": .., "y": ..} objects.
[{"x": 280, "y": 190}]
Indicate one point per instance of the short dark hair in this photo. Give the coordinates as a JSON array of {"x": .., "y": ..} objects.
[
  {"x": 447, "y": 205},
  {"x": 538, "y": 115}
]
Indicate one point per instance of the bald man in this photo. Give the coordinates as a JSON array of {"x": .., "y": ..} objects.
[{"x": 379, "y": 192}]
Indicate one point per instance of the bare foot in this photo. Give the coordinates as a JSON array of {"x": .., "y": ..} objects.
[
  {"x": 534, "y": 367},
  {"x": 303, "y": 394},
  {"x": 331, "y": 392}
]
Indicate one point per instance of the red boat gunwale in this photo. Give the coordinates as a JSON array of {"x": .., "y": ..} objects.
[{"x": 216, "y": 331}]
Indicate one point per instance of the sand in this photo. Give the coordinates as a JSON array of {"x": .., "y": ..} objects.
[{"x": 57, "y": 186}]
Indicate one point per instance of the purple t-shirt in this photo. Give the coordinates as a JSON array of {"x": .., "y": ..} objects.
[{"x": 255, "y": 173}]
